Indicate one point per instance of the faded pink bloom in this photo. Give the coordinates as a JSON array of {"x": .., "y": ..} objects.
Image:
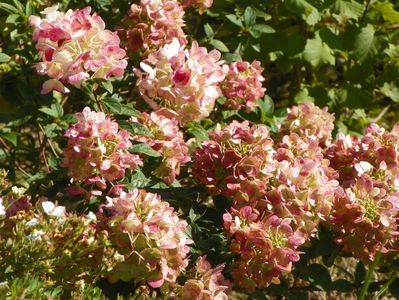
[
  {"x": 149, "y": 236},
  {"x": 97, "y": 149},
  {"x": 183, "y": 80},
  {"x": 152, "y": 24},
  {"x": 266, "y": 245},
  {"x": 166, "y": 139},
  {"x": 237, "y": 162},
  {"x": 204, "y": 283},
  {"x": 243, "y": 85},
  {"x": 366, "y": 219},
  {"x": 310, "y": 121},
  {"x": 75, "y": 46}
]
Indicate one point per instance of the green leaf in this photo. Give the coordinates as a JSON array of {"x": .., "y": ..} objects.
[
  {"x": 138, "y": 180},
  {"x": 12, "y": 19},
  {"x": 107, "y": 85},
  {"x": 51, "y": 130},
  {"x": 318, "y": 276},
  {"x": 394, "y": 288},
  {"x": 317, "y": 52},
  {"x": 113, "y": 106},
  {"x": 249, "y": 16},
  {"x": 235, "y": 20},
  {"x": 365, "y": 44},
  {"x": 144, "y": 149},
  {"x": 219, "y": 45},
  {"x": 266, "y": 107},
  {"x": 360, "y": 273},
  {"x": 12, "y": 137},
  {"x": 208, "y": 31},
  {"x": 55, "y": 111},
  {"x": 4, "y": 58},
  {"x": 8, "y": 8},
  {"x": 308, "y": 12},
  {"x": 342, "y": 286},
  {"x": 263, "y": 28},
  {"x": 390, "y": 90},
  {"x": 134, "y": 128},
  {"x": 348, "y": 9},
  {"x": 388, "y": 12},
  {"x": 198, "y": 132}
]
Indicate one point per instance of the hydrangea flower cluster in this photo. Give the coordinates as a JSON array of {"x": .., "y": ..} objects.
[
  {"x": 236, "y": 162},
  {"x": 308, "y": 120},
  {"x": 287, "y": 180},
  {"x": 152, "y": 24},
  {"x": 149, "y": 237},
  {"x": 185, "y": 81},
  {"x": 167, "y": 140},
  {"x": 266, "y": 245},
  {"x": 75, "y": 46},
  {"x": 97, "y": 149},
  {"x": 203, "y": 283},
  {"x": 366, "y": 214},
  {"x": 243, "y": 85}
]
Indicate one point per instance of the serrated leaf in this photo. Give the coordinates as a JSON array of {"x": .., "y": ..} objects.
[
  {"x": 55, "y": 111},
  {"x": 347, "y": 8},
  {"x": 366, "y": 44},
  {"x": 308, "y": 12},
  {"x": 113, "y": 106},
  {"x": 51, "y": 130},
  {"x": 249, "y": 16},
  {"x": 4, "y": 58},
  {"x": 144, "y": 149},
  {"x": 208, "y": 31},
  {"x": 134, "y": 128},
  {"x": 219, "y": 45},
  {"x": 388, "y": 12},
  {"x": 107, "y": 85},
  {"x": 317, "y": 52},
  {"x": 235, "y": 20},
  {"x": 390, "y": 90}
]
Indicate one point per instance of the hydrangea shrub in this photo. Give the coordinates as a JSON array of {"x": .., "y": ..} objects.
[{"x": 149, "y": 161}]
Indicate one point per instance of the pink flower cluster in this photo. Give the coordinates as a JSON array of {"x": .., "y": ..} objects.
[
  {"x": 366, "y": 214},
  {"x": 153, "y": 23},
  {"x": 236, "y": 162},
  {"x": 149, "y": 237},
  {"x": 289, "y": 179},
  {"x": 243, "y": 85},
  {"x": 205, "y": 283},
  {"x": 310, "y": 121},
  {"x": 97, "y": 149},
  {"x": 167, "y": 140},
  {"x": 266, "y": 245},
  {"x": 73, "y": 45},
  {"x": 185, "y": 81}
]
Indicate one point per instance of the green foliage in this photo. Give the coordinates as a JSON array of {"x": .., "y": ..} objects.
[
  {"x": 342, "y": 54},
  {"x": 338, "y": 53}
]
